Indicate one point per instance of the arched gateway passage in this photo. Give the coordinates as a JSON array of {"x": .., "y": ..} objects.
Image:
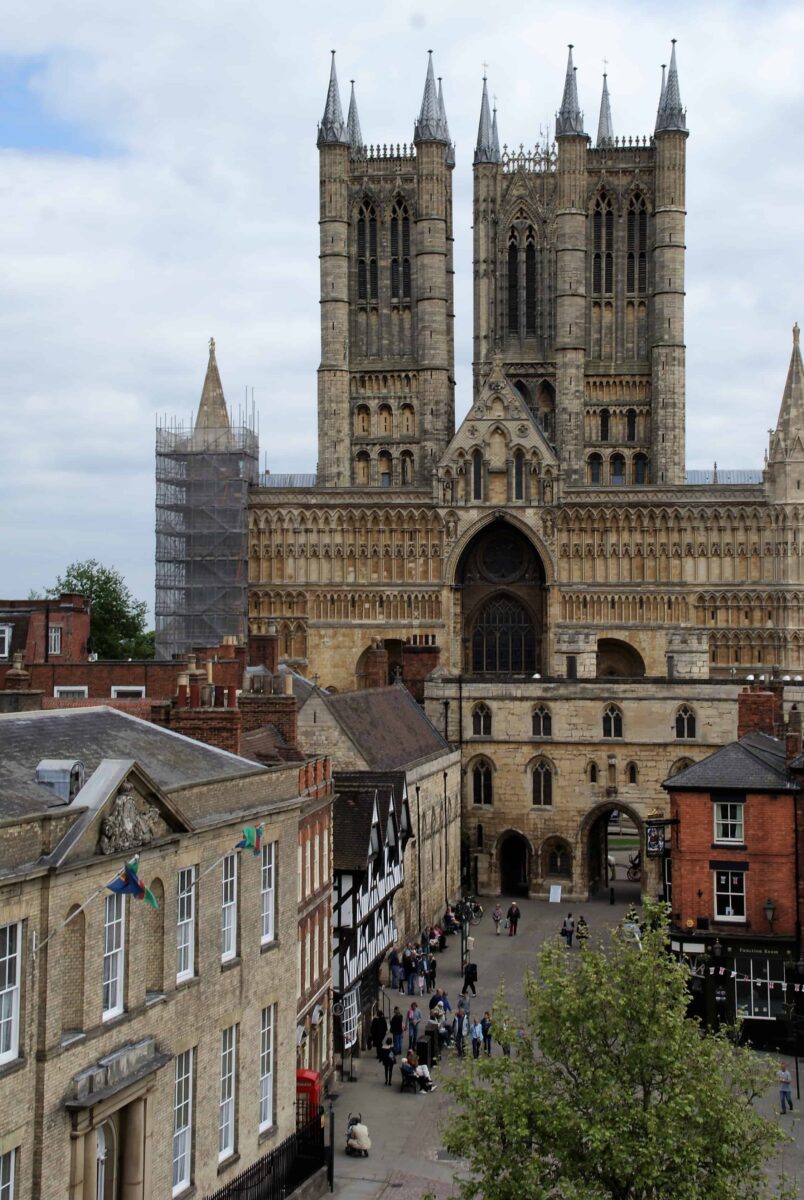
[
  {"x": 613, "y": 835},
  {"x": 503, "y": 600},
  {"x": 514, "y": 858}
]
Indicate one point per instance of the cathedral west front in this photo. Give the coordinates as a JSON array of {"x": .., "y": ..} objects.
[{"x": 576, "y": 611}]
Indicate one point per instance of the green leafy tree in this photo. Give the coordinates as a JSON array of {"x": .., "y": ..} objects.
[
  {"x": 611, "y": 1092},
  {"x": 117, "y": 620}
]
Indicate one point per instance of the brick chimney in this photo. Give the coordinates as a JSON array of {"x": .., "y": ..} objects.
[
  {"x": 760, "y": 711},
  {"x": 270, "y": 708},
  {"x": 417, "y": 663},
  {"x": 376, "y": 666},
  {"x": 263, "y": 649}
]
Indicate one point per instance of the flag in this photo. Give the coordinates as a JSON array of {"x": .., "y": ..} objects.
[
  {"x": 252, "y": 838},
  {"x": 128, "y": 883}
]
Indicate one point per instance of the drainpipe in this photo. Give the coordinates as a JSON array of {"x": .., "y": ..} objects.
[
  {"x": 446, "y": 843},
  {"x": 419, "y": 855},
  {"x": 47, "y": 633}
]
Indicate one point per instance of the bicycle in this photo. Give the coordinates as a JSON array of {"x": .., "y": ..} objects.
[
  {"x": 474, "y": 909},
  {"x": 634, "y": 872}
]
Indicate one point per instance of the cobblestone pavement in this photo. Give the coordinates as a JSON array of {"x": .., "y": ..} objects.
[{"x": 407, "y": 1158}]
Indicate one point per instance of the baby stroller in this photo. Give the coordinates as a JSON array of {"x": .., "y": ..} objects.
[{"x": 357, "y": 1136}]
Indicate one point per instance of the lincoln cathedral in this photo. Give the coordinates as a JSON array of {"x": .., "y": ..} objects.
[{"x": 575, "y": 610}]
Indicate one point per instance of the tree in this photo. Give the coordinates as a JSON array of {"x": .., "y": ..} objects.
[
  {"x": 117, "y": 620},
  {"x": 611, "y": 1092}
]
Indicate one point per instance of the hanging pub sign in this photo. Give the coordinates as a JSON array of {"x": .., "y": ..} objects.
[{"x": 654, "y": 841}]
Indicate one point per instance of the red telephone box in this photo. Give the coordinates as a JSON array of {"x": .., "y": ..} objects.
[{"x": 308, "y": 1095}]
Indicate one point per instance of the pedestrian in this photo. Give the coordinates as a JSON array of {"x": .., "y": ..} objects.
[
  {"x": 409, "y": 965},
  {"x": 485, "y": 1026},
  {"x": 497, "y": 917},
  {"x": 513, "y": 916},
  {"x": 469, "y": 979},
  {"x": 477, "y": 1038},
  {"x": 582, "y": 932},
  {"x": 785, "y": 1088},
  {"x": 397, "y": 1029},
  {"x": 445, "y": 1000},
  {"x": 414, "y": 1017},
  {"x": 377, "y": 1031},
  {"x": 388, "y": 1058},
  {"x": 567, "y": 930},
  {"x": 460, "y": 1029},
  {"x": 421, "y": 1071},
  {"x": 431, "y": 972},
  {"x": 396, "y": 968}
]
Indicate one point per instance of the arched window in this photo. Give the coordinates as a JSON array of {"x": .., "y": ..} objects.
[
  {"x": 556, "y": 858},
  {"x": 612, "y": 722},
  {"x": 591, "y": 772},
  {"x": 407, "y": 419},
  {"x": 400, "y": 251},
  {"x": 153, "y": 921},
  {"x": 542, "y": 722},
  {"x": 594, "y": 469},
  {"x": 519, "y": 475},
  {"x": 640, "y": 468},
  {"x": 482, "y": 790},
  {"x": 680, "y": 765},
  {"x": 604, "y": 425},
  {"x": 513, "y": 282},
  {"x": 367, "y": 279},
  {"x": 386, "y": 421},
  {"x": 602, "y": 247},
  {"x": 481, "y": 720},
  {"x": 362, "y": 466},
  {"x": 406, "y": 467},
  {"x": 685, "y": 722},
  {"x": 362, "y": 419},
  {"x": 72, "y": 958},
  {"x": 384, "y": 468},
  {"x": 530, "y": 281},
  {"x": 542, "y": 784},
  {"x": 632, "y": 773},
  {"x": 503, "y": 639},
  {"x": 617, "y": 470},
  {"x": 636, "y": 262},
  {"x": 630, "y": 425},
  {"x": 477, "y": 475}
]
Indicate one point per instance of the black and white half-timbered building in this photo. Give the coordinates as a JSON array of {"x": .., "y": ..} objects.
[{"x": 371, "y": 829}]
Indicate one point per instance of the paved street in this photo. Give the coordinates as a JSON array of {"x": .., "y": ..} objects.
[{"x": 407, "y": 1158}]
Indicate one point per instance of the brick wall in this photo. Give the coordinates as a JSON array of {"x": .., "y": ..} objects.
[
  {"x": 160, "y": 679},
  {"x": 260, "y": 709},
  {"x": 216, "y": 726},
  {"x": 417, "y": 663},
  {"x": 376, "y": 666},
  {"x": 760, "y": 711}
]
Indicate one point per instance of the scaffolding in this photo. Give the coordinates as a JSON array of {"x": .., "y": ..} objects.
[{"x": 202, "y": 481}]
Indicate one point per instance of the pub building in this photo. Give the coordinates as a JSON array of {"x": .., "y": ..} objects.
[
  {"x": 735, "y": 818},
  {"x": 371, "y": 829}
]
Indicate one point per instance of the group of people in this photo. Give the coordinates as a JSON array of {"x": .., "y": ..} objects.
[
  {"x": 413, "y": 968},
  {"x": 512, "y": 918},
  {"x": 570, "y": 928}
]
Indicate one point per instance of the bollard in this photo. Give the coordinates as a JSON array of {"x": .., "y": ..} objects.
[{"x": 611, "y": 895}]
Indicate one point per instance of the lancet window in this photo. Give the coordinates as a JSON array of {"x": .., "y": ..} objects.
[
  {"x": 367, "y": 274},
  {"x": 602, "y": 247},
  {"x": 400, "y": 251},
  {"x": 636, "y": 263}
]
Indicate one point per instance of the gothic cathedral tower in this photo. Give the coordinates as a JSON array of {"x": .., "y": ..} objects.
[
  {"x": 386, "y": 406},
  {"x": 579, "y": 285}
]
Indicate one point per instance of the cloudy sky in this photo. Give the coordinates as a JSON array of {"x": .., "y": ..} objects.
[{"x": 158, "y": 184}]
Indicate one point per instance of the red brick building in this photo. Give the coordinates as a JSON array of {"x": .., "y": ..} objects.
[{"x": 45, "y": 631}]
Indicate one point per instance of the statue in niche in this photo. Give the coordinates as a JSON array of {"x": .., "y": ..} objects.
[{"x": 126, "y": 827}]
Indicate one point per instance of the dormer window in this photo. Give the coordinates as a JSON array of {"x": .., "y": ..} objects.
[{"x": 5, "y": 640}]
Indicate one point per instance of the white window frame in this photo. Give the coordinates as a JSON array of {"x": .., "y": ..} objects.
[
  {"x": 325, "y": 856},
  {"x": 73, "y": 691},
  {"x": 54, "y": 639},
  {"x": 759, "y": 976},
  {"x": 308, "y": 853},
  {"x": 114, "y": 956},
  {"x": 267, "y": 1062},
  {"x": 268, "y": 893},
  {"x": 226, "y": 1100},
  {"x": 185, "y": 924},
  {"x": 301, "y": 874},
  {"x": 316, "y": 861},
  {"x": 182, "y": 1122},
  {"x": 316, "y": 952},
  {"x": 737, "y": 820},
  {"x": 229, "y": 908},
  {"x": 8, "y": 1169},
  {"x": 10, "y": 976},
  {"x": 6, "y": 632},
  {"x": 719, "y": 916},
  {"x": 308, "y": 953},
  {"x": 128, "y": 691}
]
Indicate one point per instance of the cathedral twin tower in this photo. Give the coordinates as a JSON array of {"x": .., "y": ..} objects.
[{"x": 578, "y": 292}]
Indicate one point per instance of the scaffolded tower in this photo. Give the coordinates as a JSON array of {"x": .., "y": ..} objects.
[{"x": 202, "y": 480}]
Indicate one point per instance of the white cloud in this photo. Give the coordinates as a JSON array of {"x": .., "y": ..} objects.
[{"x": 200, "y": 217}]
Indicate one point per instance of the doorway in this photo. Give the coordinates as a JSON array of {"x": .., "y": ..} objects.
[
  {"x": 514, "y": 856},
  {"x": 614, "y": 847}
]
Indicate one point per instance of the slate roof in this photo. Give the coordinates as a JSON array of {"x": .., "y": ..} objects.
[
  {"x": 387, "y": 726},
  {"x": 92, "y": 735},
  {"x": 354, "y": 804},
  {"x": 755, "y": 763}
]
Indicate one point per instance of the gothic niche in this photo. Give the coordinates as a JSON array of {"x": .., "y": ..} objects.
[
  {"x": 129, "y": 825},
  {"x": 502, "y": 584}
]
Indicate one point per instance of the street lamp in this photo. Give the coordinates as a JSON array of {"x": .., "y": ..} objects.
[{"x": 769, "y": 909}]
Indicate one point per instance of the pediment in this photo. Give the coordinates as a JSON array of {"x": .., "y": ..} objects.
[{"x": 125, "y": 811}]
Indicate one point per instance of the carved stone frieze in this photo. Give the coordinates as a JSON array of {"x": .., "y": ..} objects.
[{"x": 130, "y": 823}]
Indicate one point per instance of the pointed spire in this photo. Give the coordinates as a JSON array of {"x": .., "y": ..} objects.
[
  {"x": 332, "y": 127},
  {"x": 569, "y": 118},
  {"x": 353, "y": 134},
  {"x": 791, "y": 412},
  {"x": 484, "y": 150},
  {"x": 605, "y": 128},
  {"x": 671, "y": 116},
  {"x": 212, "y": 412},
  {"x": 449, "y": 156},
  {"x": 662, "y": 93},
  {"x": 428, "y": 127}
]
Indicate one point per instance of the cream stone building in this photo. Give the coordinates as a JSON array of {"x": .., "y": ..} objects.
[
  {"x": 552, "y": 556},
  {"x": 144, "y": 1052}
]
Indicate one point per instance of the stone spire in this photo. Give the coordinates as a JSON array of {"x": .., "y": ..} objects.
[
  {"x": 662, "y": 92},
  {"x": 442, "y": 116},
  {"x": 484, "y": 150},
  {"x": 605, "y": 128},
  {"x": 671, "y": 116},
  {"x": 212, "y": 412},
  {"x": 353, "y": 134},
  {"x": 332, "y": 127},
  {"x": 569, "y": 118},
  {"x": 495, "y": 137},
  {"x": 428, "y": 128},
  {"x": 791, "y": 413}
]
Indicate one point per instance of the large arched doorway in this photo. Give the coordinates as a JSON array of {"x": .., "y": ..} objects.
[
  {"x": 503, "y": 600},
  {"x": 514, "y": 862},
  {"x": 614, "y": 843}
]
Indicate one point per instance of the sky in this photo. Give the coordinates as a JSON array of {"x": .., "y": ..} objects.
[{"x": 158, "y": 186}]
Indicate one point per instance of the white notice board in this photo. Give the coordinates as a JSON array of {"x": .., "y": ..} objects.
[{"x": 555, "y": 893}]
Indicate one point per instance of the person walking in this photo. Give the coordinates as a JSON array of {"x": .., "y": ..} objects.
[
  {"x": 432, "y": 969},
  {"x": 397, "y": 1029},
  {"x": 567, "y": 929},
  {"x": 388, "y": 1058},
  {"x": 485, "y": 1026},
  {"x": 497, "y": 917},
  {"x": 477, "y": 1038},
  {"x": 396, "y": 968},
  {"x": 409, "y": 965},
  {"x": 377, "y": 1031},
  {"x": 513, "y": 916},
  {"x": 785, "y": 1088},
  {"x": 469, "y": 979},
  {"x": 414, "y": 1018},
  {"x": 460, "y": 1029},
  {"x": 582, "y": 932}
]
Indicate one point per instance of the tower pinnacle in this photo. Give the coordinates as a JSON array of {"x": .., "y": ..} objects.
[
  {"x": 485, "y": 150},
  {"x": 332, "y": 128},
  {"x": 353, "y": 134},
  {"x": 428, "y": 128},
  {"x": 671, "y": 116},
  {"x": 212, "y": 412},
  {"x": 442, "y": 116},
  {"x": 605, "y": 128},
  {"x": 791, "y": 412},
  {"x": 569, "y": 118}
]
